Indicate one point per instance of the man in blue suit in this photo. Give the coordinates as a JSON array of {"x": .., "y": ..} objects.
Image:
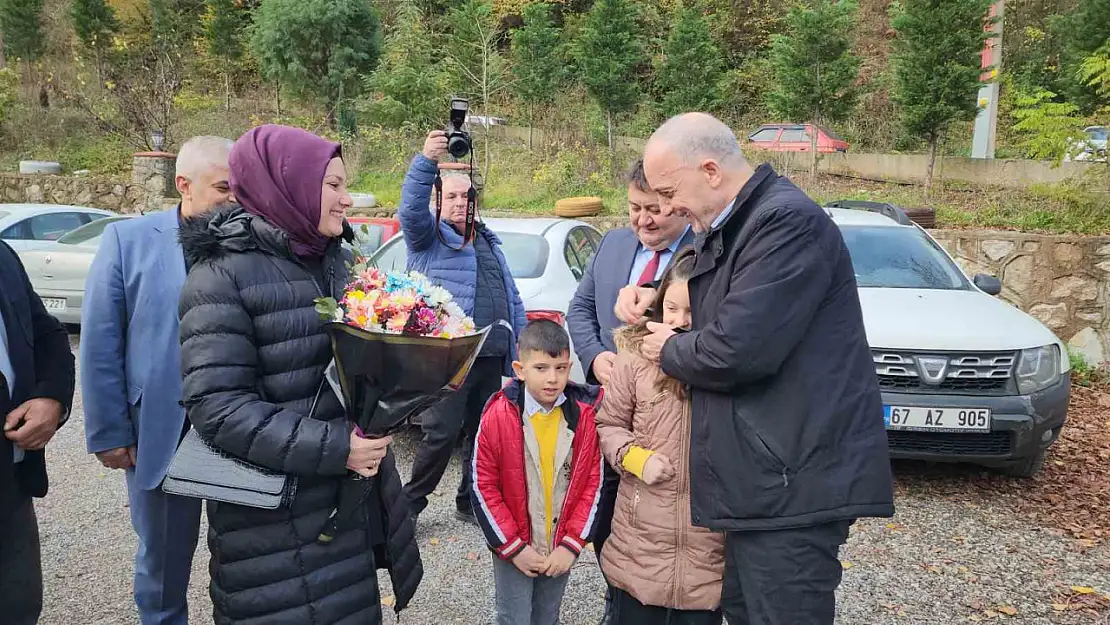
[
  {"x": 131, "y": 375},
  {"x": 637, "y": 254}
]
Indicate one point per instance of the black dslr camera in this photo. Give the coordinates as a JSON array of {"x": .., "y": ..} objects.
[{"x": 458, "y": 140}]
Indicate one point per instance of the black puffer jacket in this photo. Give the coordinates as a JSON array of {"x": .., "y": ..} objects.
[{"x": 253, "y": 354}]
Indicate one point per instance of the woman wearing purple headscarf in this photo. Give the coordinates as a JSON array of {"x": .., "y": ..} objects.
[{"x": 253, "y": 353}]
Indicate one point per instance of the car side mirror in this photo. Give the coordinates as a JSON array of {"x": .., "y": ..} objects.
[{"x": 987, "y": 284}]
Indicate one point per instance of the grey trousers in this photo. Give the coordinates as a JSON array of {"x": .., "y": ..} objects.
[
  {"x": 523, "y": 600},
  {"x": 20, "y": 566}
]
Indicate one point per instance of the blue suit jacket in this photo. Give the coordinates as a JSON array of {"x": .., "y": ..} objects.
[
  {"x": 130, "y": 348},
  {"x": 590, "y": 316}
]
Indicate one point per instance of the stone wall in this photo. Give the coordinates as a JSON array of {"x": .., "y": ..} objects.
[
  {"x": 1062, "y": 280},
  {"x": 151, "y": 187},
  {"x": 95, "y": 191}
]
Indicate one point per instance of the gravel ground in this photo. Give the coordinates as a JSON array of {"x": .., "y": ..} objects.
[{"x": 942, "y": 559}]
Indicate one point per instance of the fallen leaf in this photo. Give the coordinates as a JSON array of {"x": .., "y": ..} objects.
[
  {"x": 1059, "y": 607},
  {"x": 845, "y": 564},
  {"x": 975, "y": 618},
  {"x": 471, "y": 556},
  {"x": 389, "y": 601},
  {"x": 990, "y": 613},
  {"x": 1008, "y": 610},
  {"x": 433, "y": 541},
  {"x": 1083, "y": 590}
]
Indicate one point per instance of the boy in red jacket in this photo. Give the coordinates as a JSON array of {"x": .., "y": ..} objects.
[{"x": 537, "y": 476}]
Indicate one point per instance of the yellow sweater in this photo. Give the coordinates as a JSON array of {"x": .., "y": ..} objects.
[{"x": 546, "y": 425}]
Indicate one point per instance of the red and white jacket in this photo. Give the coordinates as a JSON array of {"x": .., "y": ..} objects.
[{"x": 507, "y": 492}]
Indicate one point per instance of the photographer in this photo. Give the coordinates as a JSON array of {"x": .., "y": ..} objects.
[{"x": 476, "y": 274}]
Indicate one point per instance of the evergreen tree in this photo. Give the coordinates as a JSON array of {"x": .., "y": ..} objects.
[
  {"x": 95, "y": 23},
  {"x": 538, "y": 62},
  {"x": 224, "y": 25},
  {"x": 319, "y": 49},
  {"x": 1081, "y": 33},
  {"x": 609, "y": 51},
  {"x": 814, "y": 67},
  {"x": 937, "y": 67},
  {"x": 410, "y": 79},
  {"x": 689, "y": 76},
  {"x": 20, "y": 23}
]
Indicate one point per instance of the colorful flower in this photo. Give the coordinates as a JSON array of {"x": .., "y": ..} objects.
[{"x": 399, "y": 303}]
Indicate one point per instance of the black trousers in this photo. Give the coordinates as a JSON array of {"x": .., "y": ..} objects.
[
  {"x": 458, "y": 414},
  {"x": 627, "y": 610},
  {"x": 783, "y": 577},
  {"x": 20, "y": 565}
]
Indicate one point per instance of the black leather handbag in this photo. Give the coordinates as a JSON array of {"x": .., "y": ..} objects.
[{"x": 202, "y": 471}]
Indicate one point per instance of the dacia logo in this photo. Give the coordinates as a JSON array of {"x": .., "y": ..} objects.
[{"x": 932, "y": 369}]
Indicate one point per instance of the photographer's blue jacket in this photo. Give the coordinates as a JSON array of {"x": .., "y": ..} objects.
[{"x": 454, "y": 270}]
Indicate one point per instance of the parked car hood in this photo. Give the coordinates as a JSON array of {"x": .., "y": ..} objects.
[{"x": 948, "y": 320}]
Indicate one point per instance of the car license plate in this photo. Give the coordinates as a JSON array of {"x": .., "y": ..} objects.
[
  {"x": 54, "y": 303},
  {"x": 937, "y": 419}
]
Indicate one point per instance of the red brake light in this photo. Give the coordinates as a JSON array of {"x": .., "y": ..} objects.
[{"x": 551, "y": 315}]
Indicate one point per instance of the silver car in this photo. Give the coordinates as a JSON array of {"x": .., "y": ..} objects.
[
  {"x": 58, "y": 273},
  {"x": 39, "y": 226},
  {"x": 547, "y": 258}
]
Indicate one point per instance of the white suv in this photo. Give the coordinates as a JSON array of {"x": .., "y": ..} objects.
[{"x": 965, "y": 376}]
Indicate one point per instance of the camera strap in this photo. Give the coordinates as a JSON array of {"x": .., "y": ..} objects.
[{"x": 471, "y": 209}]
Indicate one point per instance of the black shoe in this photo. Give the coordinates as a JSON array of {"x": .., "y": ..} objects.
[{"x": 466, "y": 516}]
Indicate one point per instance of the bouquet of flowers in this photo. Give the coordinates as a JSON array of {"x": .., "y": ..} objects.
[
  {"x": 398, "y": 303},
  {"x": 400, "y": 344}
]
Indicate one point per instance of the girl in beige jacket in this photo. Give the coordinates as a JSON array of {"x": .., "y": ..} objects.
[{"x": 662, "y": 568}]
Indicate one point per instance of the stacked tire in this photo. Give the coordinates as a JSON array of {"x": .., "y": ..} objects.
[
  {"x": 574, "y": 207},
  {"x": 926, "y": 217}
]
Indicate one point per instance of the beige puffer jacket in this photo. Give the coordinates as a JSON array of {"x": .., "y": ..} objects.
[{"x": 655, "y": 553}]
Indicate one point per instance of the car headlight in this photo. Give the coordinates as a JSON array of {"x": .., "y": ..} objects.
[{"x": 1038, "y": 368}]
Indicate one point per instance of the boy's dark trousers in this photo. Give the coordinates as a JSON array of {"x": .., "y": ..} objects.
[
  {"x": 627, "y": 610},
  {"x": 20, "y": 557}
]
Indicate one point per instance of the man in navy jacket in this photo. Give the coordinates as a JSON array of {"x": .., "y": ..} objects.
[
  {"x": 788, "y": 446},
  {"x": 36, "y": 390}
]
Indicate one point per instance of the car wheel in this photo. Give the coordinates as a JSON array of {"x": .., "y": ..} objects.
[{"x": 1027, "y": 467}]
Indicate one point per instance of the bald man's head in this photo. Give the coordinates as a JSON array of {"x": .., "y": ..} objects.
[
  {"x": 696, "y": 136},
  {"x": 694, "y": 162}
]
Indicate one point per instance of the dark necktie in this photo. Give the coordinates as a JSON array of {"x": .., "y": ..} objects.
[{"x": 649, "y": 272}]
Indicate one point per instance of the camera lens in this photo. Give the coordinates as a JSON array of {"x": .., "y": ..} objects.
[{"x": 458, "y": 145}]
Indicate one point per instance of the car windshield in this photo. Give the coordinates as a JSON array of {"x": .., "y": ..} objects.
[
  {"x": 900, "y": 258},
  {"x": 1098, "y": 134},
  {"x": 88, "y": 234},
  {"x": 525, "y": 253}
]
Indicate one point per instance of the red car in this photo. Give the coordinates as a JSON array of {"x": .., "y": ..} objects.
[
  {"x": 372, "y": 232},
  {"x": 795, "y": 138}
]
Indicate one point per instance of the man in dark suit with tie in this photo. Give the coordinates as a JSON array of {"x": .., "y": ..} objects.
[
  {"x": 36, "y": 390},
  {"x": 634, "y": 255}
]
